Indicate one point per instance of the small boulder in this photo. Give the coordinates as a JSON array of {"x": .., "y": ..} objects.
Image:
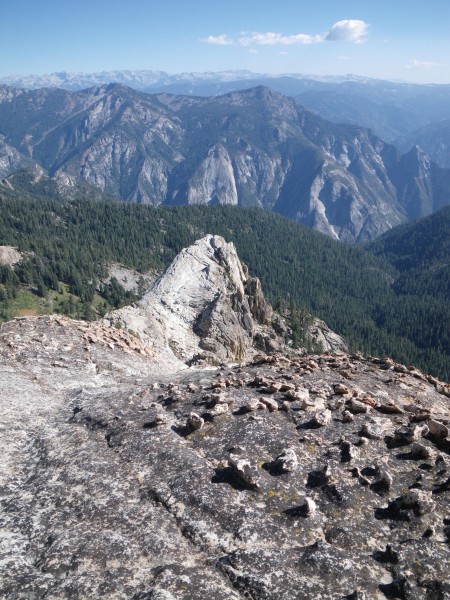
[
  {"x": 270, "y": 403},
  {"x": 244, "y": 471},
  {"x": 419, "y": 500},
  {"x": 348, "y": 451},
  {"x": 218, "y": 409},
  {"x": 341, "y": 389},
  {"x": 410, "y": 433},
  {"x": 347, "y": 416},
  {"x": 321, "y": 418},
  {"x": 420, "y": 451},
  {"x": 356, "y": 407},
  {"x": 286, "y": 462},
  {"x": 437, "y": 430},
  {"x": 195, "y": 421},
  {"x": 307, "y": 506}
]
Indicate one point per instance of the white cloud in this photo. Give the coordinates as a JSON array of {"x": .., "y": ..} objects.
[
  {"x": 277, "y": 39},
  {"x": 219, "y": 40},
  {"x": 423, "y": 64},
  {"x": 348, "y": 30}
]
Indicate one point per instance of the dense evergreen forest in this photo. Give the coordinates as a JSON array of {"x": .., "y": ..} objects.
[{"x": 385, "y": 300}]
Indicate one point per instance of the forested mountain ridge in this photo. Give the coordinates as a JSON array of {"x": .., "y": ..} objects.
[
  {"x": 249, "y": 148},
  {"x": 420, "y": 252},
  {"x": 359, "y": 295}
]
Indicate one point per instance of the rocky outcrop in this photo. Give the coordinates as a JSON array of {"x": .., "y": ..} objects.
[
  {"x": 204, "y": 307},
  {"x": 326, "y": 339},
  {"x": 10, "y": 160},
  {"x": 124, "y": 477},
  {"x": 9, "y": 256}
]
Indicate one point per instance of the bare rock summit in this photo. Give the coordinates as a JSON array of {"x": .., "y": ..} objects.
[{"x": 129, "y": 471}]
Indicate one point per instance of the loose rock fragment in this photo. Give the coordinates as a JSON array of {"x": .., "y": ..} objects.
[
  {"x": 410, "y": 433},
  {"x": 244, "y": 471},
  {"x": 437, "y": 430},
  {"x": 375, "y": 428},
  {"x": 298, "y": 394},
  {"x": 320, "y": 477},
  {"x": 341, "y": 389},
  {"x": 218, "y": 409},
  {"x": 419, "y": 500},
  {"x": 347, "y": 416},
  {"x": 308, "y": 404},
  {"x": 161, "y": 419},
  {"x": 357, "y": 407},
  {"x": 420, "y": 451},
  {"x": 420, "y": 414},
  {"x": 348, "y": 451},
  {"x": 365, "y": 399},
  {"x": 345, "y": 373},
  {"x": 384, "y": 481},
  {"x": 270, "y": 403},
  {"x": 335, "y": 403},
  {"x": 390, "y": 408},
  {"x": 217, "y": 399},
  {"x": 321, "y": 418},
  {"x": 253, "y": 404},
  {"x": 218, "y": 385},
  {"x": 195, "y": 421},
  {"x": 357, "y": 473},
  {"x": 307, "y": 506},
  {"x": 259, "y": 381},
  {"x": 443, "y": 389},
  {"x": 287, "y": 387},
  {"x": 286, "y": 462},
  {"x": 271, "y": 388}
]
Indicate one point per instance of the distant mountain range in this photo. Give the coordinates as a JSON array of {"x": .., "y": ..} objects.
[
  {"x": 254, "y": 147},
  {"x": 401, "y": 113},
  {"x": 157, "y": 81}
]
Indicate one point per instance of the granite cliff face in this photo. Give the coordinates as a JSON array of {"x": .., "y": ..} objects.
[
  {"x": 251, "y": 148},
  {"x": 10, "y": 159},
  {"x": 127, "y": 474}
]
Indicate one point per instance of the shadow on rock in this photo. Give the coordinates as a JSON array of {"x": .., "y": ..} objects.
[{"x": 228, "y": 475}]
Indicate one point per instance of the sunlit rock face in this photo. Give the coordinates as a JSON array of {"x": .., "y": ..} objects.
[{"x": 204, "y": 306}]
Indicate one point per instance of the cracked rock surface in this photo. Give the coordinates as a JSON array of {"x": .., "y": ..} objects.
[{"x": 111, "y": 488}]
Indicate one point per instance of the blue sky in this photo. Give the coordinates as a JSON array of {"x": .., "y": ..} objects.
[{"x": 395, "y": 39}]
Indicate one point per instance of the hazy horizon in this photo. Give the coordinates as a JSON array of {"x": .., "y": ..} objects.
[
  {"x": 401, "y": 41},
  {"x": 224, "y": 71}
]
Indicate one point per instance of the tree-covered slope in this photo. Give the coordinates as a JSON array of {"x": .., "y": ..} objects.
[
  {"x": 353, "y": 290},
  {"x": 420, "y": 252}
]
